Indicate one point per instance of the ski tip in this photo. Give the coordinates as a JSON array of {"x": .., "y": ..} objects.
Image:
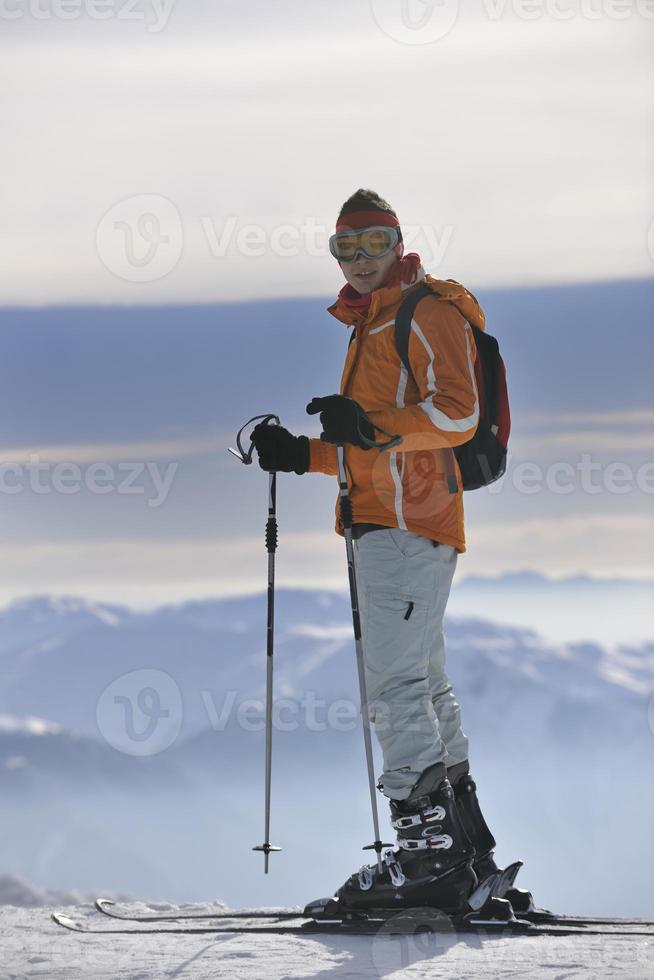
[
  {"x": 103, "y": 903},
  {"x": 62, "y": 920}
]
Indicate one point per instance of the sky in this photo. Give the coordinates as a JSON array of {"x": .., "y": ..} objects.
[
  {"x": 116, "y": 483},
  {"x": 196, "y": 151}
]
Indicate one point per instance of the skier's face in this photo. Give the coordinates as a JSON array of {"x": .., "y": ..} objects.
[{"x": 365, "y": 274}]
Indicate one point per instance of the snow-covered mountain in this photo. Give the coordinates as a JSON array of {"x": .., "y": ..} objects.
[
  {"x": 21, "y": 894},
  {"x": 573, "y": 607},
  {"x": 561, "y": 740},
  {"x": 59, "y": 657}
]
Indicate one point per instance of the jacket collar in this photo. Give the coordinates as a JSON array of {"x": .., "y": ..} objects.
[{"x": 381, "y": 299}]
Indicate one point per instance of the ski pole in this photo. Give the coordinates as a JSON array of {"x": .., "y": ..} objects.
[
  {"x": 346, "y": 521},
  {"x": 271, "y": 548}
]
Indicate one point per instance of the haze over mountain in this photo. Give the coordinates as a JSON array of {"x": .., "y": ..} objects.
[{"x": 147, "y": 775}]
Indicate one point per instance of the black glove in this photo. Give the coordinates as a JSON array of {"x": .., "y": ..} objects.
[
  {"x": 279, "y": 450},
  {"x": 342, "y": 419}
]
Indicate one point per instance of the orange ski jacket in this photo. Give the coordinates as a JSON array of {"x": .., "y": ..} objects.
[{"x": 438, "y": 407}]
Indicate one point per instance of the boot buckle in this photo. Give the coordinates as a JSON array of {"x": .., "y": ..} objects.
[
  {"x": 441, "y": 841},
  {"x": 395, "y": 871},
  {"x": 365, "y": 878},
  {"x": 416, "y": 819}
]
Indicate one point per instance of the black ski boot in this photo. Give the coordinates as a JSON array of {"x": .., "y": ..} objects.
[
  {"x": 465, "y": 793},
  {"x": 476, "y": 828},
  {"x": 432, "y": 862}
]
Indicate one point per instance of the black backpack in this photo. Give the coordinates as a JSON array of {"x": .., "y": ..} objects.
[{"x": 482, "y": 459}]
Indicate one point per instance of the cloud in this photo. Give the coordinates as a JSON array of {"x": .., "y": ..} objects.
[
  {"x": 582, "y": 441},
  {"x": 110, "y": 452},
  {"x": 603, "y": 545},
  {"x": 184, "y": 114},
  {"x": 146, "y": 572},
  {"x": 639, "y": 416}
]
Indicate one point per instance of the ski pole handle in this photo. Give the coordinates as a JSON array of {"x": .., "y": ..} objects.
[{"x": 240, "y": 453}]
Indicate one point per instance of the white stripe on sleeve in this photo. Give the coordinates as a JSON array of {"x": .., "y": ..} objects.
[{"x": 439, "y": 418}]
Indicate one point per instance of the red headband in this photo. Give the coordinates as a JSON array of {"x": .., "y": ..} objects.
[{"x": 366, "y": 219}]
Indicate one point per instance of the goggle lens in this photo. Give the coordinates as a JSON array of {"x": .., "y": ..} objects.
[{"x": 373, "y": 242}]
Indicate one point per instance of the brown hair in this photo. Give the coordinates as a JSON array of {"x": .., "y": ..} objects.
[{"x": 365, "y": 200}]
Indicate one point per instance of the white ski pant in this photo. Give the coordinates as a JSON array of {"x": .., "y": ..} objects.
[{"x": 403, "y": 584}]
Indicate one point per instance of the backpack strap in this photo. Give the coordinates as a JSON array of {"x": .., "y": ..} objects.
[{"x": 403, "y": 321}]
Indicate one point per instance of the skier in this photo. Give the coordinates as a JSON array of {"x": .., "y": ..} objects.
[{"x": 408, "y": 530}]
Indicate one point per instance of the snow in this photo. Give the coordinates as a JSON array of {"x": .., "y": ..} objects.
[{"x": 34, "y": 947}]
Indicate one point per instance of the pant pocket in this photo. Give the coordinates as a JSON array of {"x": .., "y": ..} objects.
[{"x": 394, "y": 645}]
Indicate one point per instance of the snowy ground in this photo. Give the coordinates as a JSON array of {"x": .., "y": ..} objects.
[{"x": 32, "y": 946}]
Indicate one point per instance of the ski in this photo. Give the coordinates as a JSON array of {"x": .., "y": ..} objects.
[
  {"x": 110, "y": 909},
  {"x": 394, "y": 924},
  {"x": 524, "y": 908}
]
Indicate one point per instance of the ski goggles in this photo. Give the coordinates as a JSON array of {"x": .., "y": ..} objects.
[{"x": 373, "y": 243}]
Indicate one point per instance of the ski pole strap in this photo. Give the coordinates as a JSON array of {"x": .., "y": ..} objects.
[
  {"x": 246, "y": 457},
  {"x": 391, "y": 439}
]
